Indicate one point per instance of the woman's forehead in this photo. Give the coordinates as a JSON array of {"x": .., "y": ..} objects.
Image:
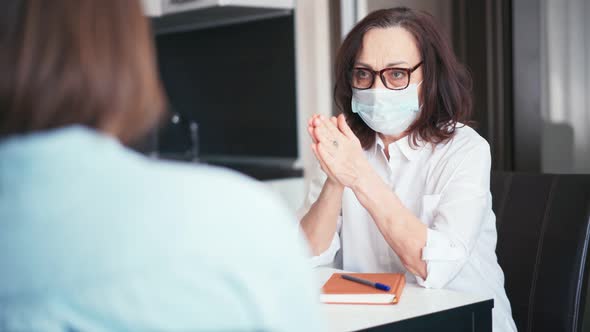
[{"x": 385, "y": 46}]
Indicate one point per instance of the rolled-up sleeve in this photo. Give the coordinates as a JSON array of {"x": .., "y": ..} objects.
[
  {"x": 455, "y": 221},
  {"x": 313, "y": 192},
  {"x": 327, "y": 257}
]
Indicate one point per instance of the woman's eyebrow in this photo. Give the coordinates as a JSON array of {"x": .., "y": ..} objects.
[
  {"x": 391, "y": 64},
  {"x": 360, "y": 64}
]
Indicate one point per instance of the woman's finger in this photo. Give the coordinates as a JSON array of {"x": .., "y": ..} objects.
[
  {"x": 326, "y": 157},
  {"x": 321, "y": 134},
  {"x": 334, "y": 121},
  {"x": 311, "y": 134},
  {"x": 321, "y": 161},
  {"x": 332, "y": 129},
  {"x": 311, "y": 120},
  {"x": 344, "y": 128}
]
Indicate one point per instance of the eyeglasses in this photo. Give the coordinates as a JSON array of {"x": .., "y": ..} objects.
[{"x": 393, "y": 78}]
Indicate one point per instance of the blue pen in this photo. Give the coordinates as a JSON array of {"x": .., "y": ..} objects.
[{"x": 377, "y": 285}]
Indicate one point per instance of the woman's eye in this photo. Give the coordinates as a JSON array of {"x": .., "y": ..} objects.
[
  {"x": 362, "y": 74},
  {"x": 398, "y": 74}
]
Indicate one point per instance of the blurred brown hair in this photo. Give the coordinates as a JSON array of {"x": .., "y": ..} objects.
[
  {"x": 88, "y": 62},
  {"x": 446, "y": 88}
]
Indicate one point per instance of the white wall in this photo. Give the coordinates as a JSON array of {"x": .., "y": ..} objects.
[
  {"x": 566, "y": 84},
  {"x": 314, "y": 72},
  {"x": 314, "y": 90}
]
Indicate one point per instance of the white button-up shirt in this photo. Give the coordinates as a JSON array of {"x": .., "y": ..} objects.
[{"x": 447, "y": 187}]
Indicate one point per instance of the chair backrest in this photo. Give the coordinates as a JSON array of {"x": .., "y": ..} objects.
[{"x": 543, "y": 234}]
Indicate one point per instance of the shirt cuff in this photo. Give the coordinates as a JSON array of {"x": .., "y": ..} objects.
[
  {"x": 327, "y": 257},
  {"x": 443, "y": 256}
]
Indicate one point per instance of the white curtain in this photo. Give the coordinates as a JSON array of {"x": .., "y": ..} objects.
[{"x": 566, "y": 81}]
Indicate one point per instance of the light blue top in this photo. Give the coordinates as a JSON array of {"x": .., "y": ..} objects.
[{"x": 94, "y": 237}]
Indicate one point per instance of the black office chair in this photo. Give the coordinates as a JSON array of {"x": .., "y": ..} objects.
[{"x": 543, "y": 226}]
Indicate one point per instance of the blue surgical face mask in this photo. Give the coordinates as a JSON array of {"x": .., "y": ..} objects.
[{"x": 389, "y": 112}]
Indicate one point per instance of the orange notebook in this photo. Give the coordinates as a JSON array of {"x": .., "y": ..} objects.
[{"x": 341, "y": 291}]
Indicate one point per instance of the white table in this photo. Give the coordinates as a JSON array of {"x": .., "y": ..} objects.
[{"x": 437, "y": 309}]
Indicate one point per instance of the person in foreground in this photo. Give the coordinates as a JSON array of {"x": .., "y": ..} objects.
[
  {"x": 405, "y": 182},
  {"x": 94, "y": 237}
]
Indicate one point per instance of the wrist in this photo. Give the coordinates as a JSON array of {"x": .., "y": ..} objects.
[
  {"x": 374, "y": 196},
  {"x": 365, "y": 180},
  {"x": 333, "y": 185}
]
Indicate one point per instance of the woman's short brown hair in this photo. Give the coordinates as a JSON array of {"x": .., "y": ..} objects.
[
  {"x": 87, "y": 62},
  {"x": 446, "y": 88}
]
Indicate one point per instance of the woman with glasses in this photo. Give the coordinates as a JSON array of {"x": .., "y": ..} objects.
[{"x": 405, "y": 181}]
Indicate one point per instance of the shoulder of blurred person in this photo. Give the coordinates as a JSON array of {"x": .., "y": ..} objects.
[
  {"x": 96, "y": 237},
  {"x": 113, "y": 237}
]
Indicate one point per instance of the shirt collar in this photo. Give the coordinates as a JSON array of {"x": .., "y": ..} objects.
[{"x": 404, "y": 144}]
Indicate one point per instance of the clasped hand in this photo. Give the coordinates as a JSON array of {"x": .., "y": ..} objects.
[{"x": 338, "y": 150}]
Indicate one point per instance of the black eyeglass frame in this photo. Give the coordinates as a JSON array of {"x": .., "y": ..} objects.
[{"x": 381, "y": 74}]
